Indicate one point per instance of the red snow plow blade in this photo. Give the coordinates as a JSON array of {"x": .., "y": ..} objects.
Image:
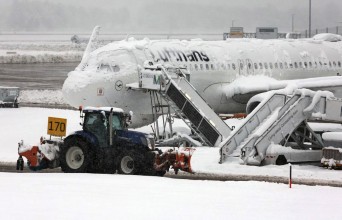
[
  {"x": 175, "y": 159},
  {"x": 38, "y": 157}
]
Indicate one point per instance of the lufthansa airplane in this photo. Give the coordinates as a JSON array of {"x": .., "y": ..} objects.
[{"x": 226, "y": 73}]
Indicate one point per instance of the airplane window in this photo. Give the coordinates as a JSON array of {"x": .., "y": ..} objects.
[
  {"x": 196, "y": 67},
  {"x": 305, "y": 65},
  {"x": 190, "y": 66},
  {"x": 339, "y": 63},
  {"x": 300, "y": 64},
  {"x": 320, "y": 63},
  {"x": 330, "y": 64},
  {"x": 241, "y": 66},
  {"x": 249, "y": 66},
  {"x": 271, "y": 66},
  {"x": 260, "y": 65},
  {"x": 207, "y": 66},
  {"x": 316, "y": 64},
  {"x": 286, "y": 66},
  {"x": 310, "y": 64},
  {"x": 276, "y": 65},
  {"x": 233, "y": 66},
  {"x": 116, "y": 68},
  {"x": 223, "y": 66},
  {"x": 228, "y": 66},
  {"x": 281, "y": 65},
  {"x": 334, "y": 63},
  {"x": 201, "y": 66},
  {"x": 255, "y": 66},
  {"x": 296, "y": 65},
  {"x": 266, "y": 66},
  {"x": 105, "y": 67}
]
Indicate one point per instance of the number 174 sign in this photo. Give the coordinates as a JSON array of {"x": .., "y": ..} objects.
[{"x": 57, "y": 126}]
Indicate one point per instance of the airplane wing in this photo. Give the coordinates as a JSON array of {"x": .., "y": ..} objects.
[{"x": 242, "y": 89}]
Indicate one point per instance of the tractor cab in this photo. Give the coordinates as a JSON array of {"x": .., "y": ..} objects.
[{"x": 104, "y": 123}]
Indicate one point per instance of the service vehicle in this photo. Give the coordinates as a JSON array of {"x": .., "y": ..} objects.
[{"x": 104, "y": 145}]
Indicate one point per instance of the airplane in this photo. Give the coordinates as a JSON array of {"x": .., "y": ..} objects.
[{"x": 226, "y": 73}]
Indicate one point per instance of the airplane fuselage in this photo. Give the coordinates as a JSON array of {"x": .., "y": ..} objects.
[{"x": 214, "y": 66}]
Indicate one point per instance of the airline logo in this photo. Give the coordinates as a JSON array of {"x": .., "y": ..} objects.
[{"x": 169, "y": 55}]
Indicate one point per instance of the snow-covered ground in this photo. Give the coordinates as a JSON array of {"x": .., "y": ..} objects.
[
  {"x": 97, "y": 196},
  {"x": 29, "y": 124},
  {"x": 41, "y": 96},
  {"x": 40, "y": 52}
]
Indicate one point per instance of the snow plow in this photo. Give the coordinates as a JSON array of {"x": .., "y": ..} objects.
[
  {"x": 332, "y": 158},
  {"x": 104, "y": 145}
]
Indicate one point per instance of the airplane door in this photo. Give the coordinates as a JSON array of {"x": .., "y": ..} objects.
[
  {"x": 250, "y": 67},
  {"x": 242, "y": 67}
]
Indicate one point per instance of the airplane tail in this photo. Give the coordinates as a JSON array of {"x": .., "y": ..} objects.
[{"x": 90, "y": 47}]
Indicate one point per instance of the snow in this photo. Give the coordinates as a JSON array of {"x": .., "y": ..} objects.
[
  {"x": 29, "y": 124},
  {"x": 41, "y": 96},
  {"x": 332, "y": 136},
  {"x": 106, "y": 109},
  {"x": 260, "y": 83},
  {"x": 40, "y": 52},
  {"x": 98, "y": 196},
  {"x": 328, "y": 37},
  {"x": 89, "y": 196}
]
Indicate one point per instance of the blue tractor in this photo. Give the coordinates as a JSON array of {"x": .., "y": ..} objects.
[{"x": 105, "y": 145}]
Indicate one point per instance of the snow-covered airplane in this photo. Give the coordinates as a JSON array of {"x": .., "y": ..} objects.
[{"x": 226, "y": 73}]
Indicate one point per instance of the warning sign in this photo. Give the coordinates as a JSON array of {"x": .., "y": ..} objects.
[{"x": 56, "y": 126}]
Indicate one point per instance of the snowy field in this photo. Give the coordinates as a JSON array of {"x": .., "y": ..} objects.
[
  {"x": 40, "y": 52},
  {"x": 29, "y": 124},
  {"x": 97, "y": 196}
]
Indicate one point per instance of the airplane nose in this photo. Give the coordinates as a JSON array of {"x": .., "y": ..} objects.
[{"x": 74, "y": 87}]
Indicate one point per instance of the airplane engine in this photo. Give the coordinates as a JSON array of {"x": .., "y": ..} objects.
[{"x": 255, "y": 101}]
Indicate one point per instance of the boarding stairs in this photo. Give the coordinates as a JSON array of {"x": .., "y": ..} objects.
[
  {"x": 186, "y": 102},
  {"x": 276, "y": 120}
]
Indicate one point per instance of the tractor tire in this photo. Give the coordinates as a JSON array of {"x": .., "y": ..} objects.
[
  {"x": 281, "y": 160},
  {"x": 128, "y": 163},
  {"x": 75, "y": 156}
]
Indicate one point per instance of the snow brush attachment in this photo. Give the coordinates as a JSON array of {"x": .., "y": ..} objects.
[
  {"x": 38, "y": 157},
  {"x": 175, "y": 159}
]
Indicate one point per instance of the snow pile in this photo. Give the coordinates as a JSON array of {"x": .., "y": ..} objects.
[
  {"x": 44, "y": 52},
  {"x": 328, "y": 37},
  {"x": 41, "y": 46},
  {"x": 41, "y": 96},
  {"x": 316, "y": 97},
  {"x": 332, "y": 136},
  {"x": 40, "y": 57},
  {"x": 243, "y": 85}
]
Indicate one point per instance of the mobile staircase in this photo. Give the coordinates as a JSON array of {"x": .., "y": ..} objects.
[
  {"x": 279, "y": 119},
  {"x": 187, "y": 104}
]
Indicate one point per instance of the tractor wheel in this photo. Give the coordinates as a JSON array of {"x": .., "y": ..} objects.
[
  {"x": 76, "y": 156},
  {"x": 281, "y": 160},
  {"x": 127, "y": 163}
]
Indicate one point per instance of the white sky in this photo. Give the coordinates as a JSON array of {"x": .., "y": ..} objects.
[{"x": 201, "y": 15}]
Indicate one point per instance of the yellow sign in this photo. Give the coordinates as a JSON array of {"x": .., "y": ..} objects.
[{"x": 57, "y": 126}]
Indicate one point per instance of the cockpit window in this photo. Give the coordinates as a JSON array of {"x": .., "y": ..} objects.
[
  {"x": 107, "y": 61},
  {"x": 108, "y": 68}
]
